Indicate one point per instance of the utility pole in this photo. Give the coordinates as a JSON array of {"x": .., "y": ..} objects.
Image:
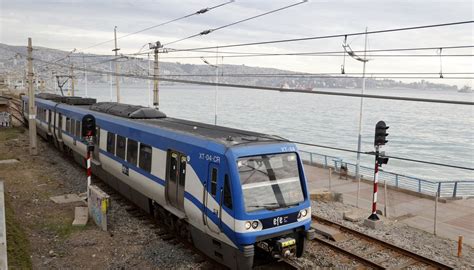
[
  {"x": 116, "y": 66},
  {"x": 72, "y": 80},
  {"x": 359, "y": 140},
  {"x": 85, "y": 76},
  {"x": 156, "y": 73},
  {"x": 31, "y": 102},
  {"x": 149, "y": 83}
]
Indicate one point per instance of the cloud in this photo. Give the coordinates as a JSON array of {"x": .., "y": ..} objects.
[{"x": 78, "y": 24}]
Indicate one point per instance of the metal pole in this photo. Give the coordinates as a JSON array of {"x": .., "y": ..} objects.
[
  {"x": 89, "y": 170},
  {"x": 385, "y": 206},
  {"x": 149, "y": 82},
  {"x": 31, "y": 102},
  {"x": 72, "y": 80},
  {"x": 436, "y": 214},
  {"x": 117, "y": 67},
  {"x": 85, "y": 77},
  {"x": 359, "y": 139},
  {"x": 217, "y": 87},
  {"x": 156, "y": 72},
  {"x": 374, "y": 216},
  {"x": 110, "y": 81},
  {"x": 330, "y": 178}
]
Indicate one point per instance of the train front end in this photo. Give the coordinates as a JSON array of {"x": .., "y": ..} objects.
[{"x": 273, "y": 213}]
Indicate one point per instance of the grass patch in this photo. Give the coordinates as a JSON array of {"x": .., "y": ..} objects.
[
  {"x": 63, "y": 229},
  {"x": 18, "y": 245},
  {"x": 10, "y": 133}
]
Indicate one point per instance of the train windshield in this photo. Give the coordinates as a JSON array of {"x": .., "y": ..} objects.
[{"x": 270, "y": 181}]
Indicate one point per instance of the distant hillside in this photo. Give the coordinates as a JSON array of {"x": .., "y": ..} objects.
[{"x": 13, "y": 62}]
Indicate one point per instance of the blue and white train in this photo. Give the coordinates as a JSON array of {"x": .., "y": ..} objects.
[{"x": 231, "y": 192}]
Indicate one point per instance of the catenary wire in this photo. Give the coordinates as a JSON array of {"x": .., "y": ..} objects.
[
  {"x": 329, "y": 36},
  {"x": 201, "y": 11},
  {"x": 266, "y": 88},
  {"x": 206, "y": 32}
]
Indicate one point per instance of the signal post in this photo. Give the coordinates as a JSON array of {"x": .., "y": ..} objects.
[{"x": 379, "y": 140}]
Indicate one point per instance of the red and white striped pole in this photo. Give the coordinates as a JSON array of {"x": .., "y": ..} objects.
[
  {"x": 374, "y": 216},
  {"x": 89, "y": 169}
]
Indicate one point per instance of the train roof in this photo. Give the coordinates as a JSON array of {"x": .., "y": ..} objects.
[{"x": 152, "y": 117}]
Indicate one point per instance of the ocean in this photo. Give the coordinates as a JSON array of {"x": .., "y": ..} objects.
[{"x": 442, "y": 133}]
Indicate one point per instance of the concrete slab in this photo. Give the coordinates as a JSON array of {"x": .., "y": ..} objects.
[
  {"x": 80, "y": 216},
  {"x": 329, "y": 232},
  {"x": 353, "y": 216},
  {"x": 66, "y": 198},
  {"x": 9, "y": 161},
  {"x": 373, "y": 224}
]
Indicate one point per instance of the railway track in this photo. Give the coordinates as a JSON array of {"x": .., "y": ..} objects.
[{"x": 383, "y": 255}]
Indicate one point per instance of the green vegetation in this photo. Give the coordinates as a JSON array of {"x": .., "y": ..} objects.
[
  {"x": 10, "y": 133},
  {"x": 62, "y": 227},
  {"x": 17, "y": 242}
]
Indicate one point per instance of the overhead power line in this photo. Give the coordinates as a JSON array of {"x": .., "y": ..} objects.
[
  {"x": 201, "y": 11},
  {"x": 266, "y": 88},
  {"x": 331, "y": 36},
  {"x": 206, "y": 32},
  {"x": 392, "y": 157}
]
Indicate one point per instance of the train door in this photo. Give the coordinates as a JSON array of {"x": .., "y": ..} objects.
[
  {"x": 50, "y": 120},
  {"x": 175, "y": 179},
  {"x": 211, "y": 205},
  {"x": 60, "y": 127},
  {"x": 181, "y": 182}
]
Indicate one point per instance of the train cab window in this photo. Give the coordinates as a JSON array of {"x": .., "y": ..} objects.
[
  {"x": 120, "y": 149},
  {"x": 78, "y": 128},
  {"x": 182, "y": 170},
  {"x": 214, "y": 182},
  {"x": 173, "y": 166},
  {"x": 111, "y": 143},
  {"x": 132, "y": 151},
  {"x": 145, "y": 157},
  {"x": 227, "y": 194}
]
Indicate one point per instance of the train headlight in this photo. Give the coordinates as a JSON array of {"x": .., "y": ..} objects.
[
  {"x": 302, "y": 213},
  {"x": 248, "y": 225},
  {"x": 255, "y": 224}
]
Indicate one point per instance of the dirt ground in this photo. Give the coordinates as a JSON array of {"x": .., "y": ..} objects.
[{"x": 40, "y": 234}]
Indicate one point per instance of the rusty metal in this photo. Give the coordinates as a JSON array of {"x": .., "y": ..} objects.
[{"x": 416, "y": 257}]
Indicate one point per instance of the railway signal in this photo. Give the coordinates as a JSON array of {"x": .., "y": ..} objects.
[
  {"x": 89, "y": 133},
  {"x": 380, "y": 159}
]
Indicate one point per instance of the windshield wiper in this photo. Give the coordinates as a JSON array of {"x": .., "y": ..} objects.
[{"x": 268, "y": 206}]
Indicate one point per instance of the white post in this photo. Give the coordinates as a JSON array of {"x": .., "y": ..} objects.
[
  {"x": 217, "y": 86},
  {"x": 85, "y": 77},
  {"x": 359, "y": 140},
  {"x": 110, "y": 79},
  {"x": 149, "y": 82},
  {"x": 385, "y": 207},
  {"x": 435, "y": 213}
]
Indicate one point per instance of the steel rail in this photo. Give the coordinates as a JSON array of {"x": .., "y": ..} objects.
[{"x": 401, "y": 250}]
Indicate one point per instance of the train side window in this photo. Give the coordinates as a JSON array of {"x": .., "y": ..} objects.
[
  {"x": 68, "y": 124},
  {"x": 227, "y": 194},
  {"x": 73, "y": 127},
  {"x": 111, "y": 143},
  {"x": 214, "y": 181},
  {"x": 132, "y": 151},
  {"x": 182, "y": 170},
  {"x": 173, "y": 166},
  {"x": 120, "y": 150},
  {"x": 145, "y": 157},
  {"x": 78, "y": 128}
]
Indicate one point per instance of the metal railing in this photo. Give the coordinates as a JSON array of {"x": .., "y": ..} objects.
[{"x": 450, "y": 188}]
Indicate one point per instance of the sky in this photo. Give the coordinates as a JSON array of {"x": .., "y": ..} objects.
[{"x": 73, "y": 24}]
